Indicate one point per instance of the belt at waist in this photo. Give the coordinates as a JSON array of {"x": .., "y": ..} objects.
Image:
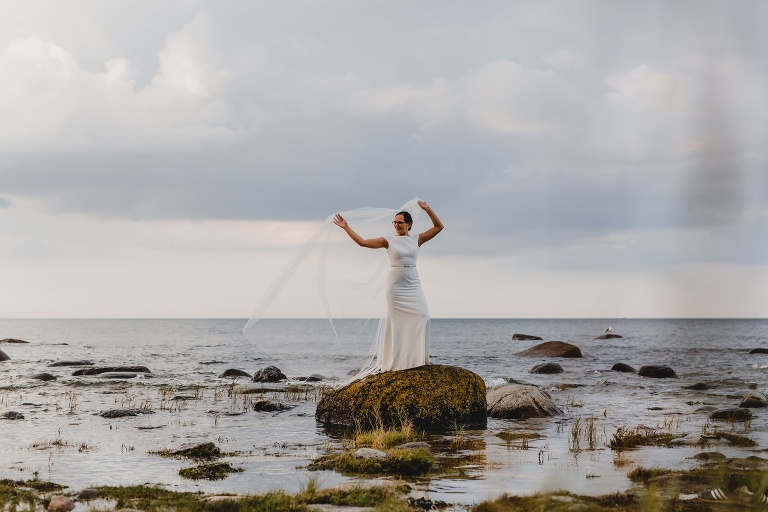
[{"x": 402, "y": 266}]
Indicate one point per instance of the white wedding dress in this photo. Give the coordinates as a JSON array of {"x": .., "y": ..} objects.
[{"x": 406, "y": 331}]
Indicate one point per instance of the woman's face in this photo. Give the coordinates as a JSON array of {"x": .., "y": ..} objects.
[{"x": 401, "y": 228}]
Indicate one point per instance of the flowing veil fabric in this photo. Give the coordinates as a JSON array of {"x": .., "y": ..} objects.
[{"x": 335, "y": 292}]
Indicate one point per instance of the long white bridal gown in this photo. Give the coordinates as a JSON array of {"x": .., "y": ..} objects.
[{"x": 406, "y": 333}]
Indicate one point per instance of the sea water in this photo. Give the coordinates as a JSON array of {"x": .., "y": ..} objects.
[{"x": 62, "y": 438}]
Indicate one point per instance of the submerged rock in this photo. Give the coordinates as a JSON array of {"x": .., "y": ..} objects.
[
  {"x": 519, "y": 401},
  {"x": 759, "y": 351},
  {"x": 12, "y": 415},
  {"x": 12, "y": 340},
  {"x": 80, "y": 362},
  {"x": 429, "y": 396},
  {"x": 609, "y": 336},
  {"x": 4, "y": 356},
  {"x": 269, "y": 406},
  {"x": 117, "y": 375},
  {"x": 233, "y": 372},
  {"x": 43, "y": 376},
  {"x": 547, "y": 368},
  {"x": 121, "y": 413},
  {"x": 699, "y": 386},
  {"x": 112, "y": 369},
  {"x": 269, "y": 374},
  {"x": 621, "y": 367},
  {"x": 551, "y": 349},
  {"x": 655, "y": 371},
  {"x": 526, "y": 337},
  {"x": 734, "y": 414},
  {"x": 754, "y": 399}
]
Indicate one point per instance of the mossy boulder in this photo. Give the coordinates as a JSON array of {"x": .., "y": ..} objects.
[{"x": 431, "y": 397}]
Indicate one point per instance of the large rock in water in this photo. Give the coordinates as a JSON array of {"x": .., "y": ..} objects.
[
  {"x": 520, "y": 401},
  {"x": 552, "y": 349},
  {"x": 657, "y": 371},
  {"x": 754, "y": 399},
  {"x": 429, "y": 396}
]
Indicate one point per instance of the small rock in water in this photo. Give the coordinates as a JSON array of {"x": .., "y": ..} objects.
[
  {"x": 269, "y": 374},
  {"x": 268, "y": 406},
  {"x": 60, "y": 504},
  {"x": 526, "y": 337},
  {"x": 547, "y": 368},
  {"x": 735, "y": 414},
  {"x": 81, "y": 362},
  {"x": 12, "y": 340},
  {"x": 4, "y": 356},
  {"x": 233, "y": 372},
  {"x": 657, "y": 372},
  {"x": 754, "y": 399},
  {"x": 43, "y": 376},
  {"x": 370, "y": 453},
  {"x": 185, "y": 397},
  {"x": 622, "y": 367},
  {"x": 121, "y": 413},
  {"x": 759, "y": 351},
  {"x": 609, "y": 336},
  {"x": 312, "y": 378},
  {"x": 12, "y": 415}
]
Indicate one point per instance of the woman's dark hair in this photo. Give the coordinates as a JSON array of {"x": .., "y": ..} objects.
[{"x": 407, "y": 218}]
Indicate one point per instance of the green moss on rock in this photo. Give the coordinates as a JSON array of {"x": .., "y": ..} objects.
[{"x": 430, "y": 397}]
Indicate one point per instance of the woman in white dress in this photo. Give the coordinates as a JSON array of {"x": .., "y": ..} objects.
[{"x": 406, "y": 332}]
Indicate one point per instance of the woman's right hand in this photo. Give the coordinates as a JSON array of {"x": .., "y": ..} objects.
[{"x": 340, "y": 221}]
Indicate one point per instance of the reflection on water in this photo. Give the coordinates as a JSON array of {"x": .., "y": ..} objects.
[{"x": 62, "y": 438}]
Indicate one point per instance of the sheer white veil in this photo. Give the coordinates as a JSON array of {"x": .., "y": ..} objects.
[{"x": 339, "y": 288}]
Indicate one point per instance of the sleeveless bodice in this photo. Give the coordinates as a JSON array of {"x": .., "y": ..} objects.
[{"x": 403, "y": 250}]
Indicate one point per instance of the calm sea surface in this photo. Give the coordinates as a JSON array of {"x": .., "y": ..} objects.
[{"x": 62, "y": 438}]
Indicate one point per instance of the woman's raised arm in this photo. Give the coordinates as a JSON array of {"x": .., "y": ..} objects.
[
  {"x": 371, "y": 243},
  {"x": 437, "y": 225}
]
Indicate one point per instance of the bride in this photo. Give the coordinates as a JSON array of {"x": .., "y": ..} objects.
[{"x": 406, "y": 331}]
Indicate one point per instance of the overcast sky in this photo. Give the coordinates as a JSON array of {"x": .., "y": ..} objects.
[{"x": 589, "y": 158}]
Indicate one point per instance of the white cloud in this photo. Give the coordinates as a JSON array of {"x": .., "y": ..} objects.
[
  {"x": 645, "y": 84},
  {"x": 57, "y": 105},
  {"x": 499, "y": 97}
]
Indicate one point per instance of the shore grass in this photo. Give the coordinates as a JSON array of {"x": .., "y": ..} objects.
[
  {"x": 209, "y": 471},
  {"x": 399, "y": 461},
  {"x": 657, "y": 490},
  {"x": 18, "y": 496}
]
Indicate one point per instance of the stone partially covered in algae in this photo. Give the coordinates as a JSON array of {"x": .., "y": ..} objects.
[{"x": 430, "y": 396}]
